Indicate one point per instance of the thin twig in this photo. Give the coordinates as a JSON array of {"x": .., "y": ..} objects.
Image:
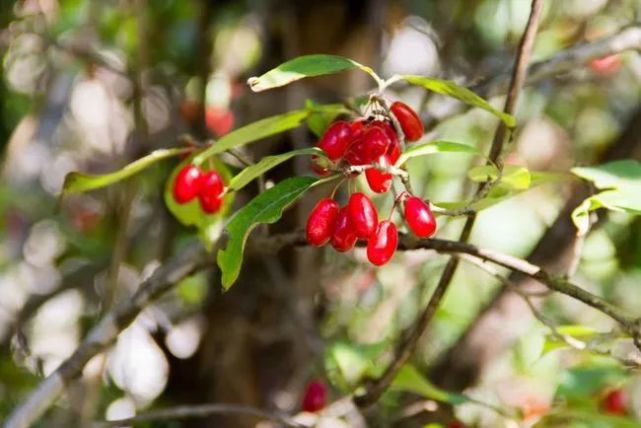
[
  {"x": 570, "y": 341},
  {"x": 105, "y": 333},
  {"x": 200, "y": 411},
  {"x": 195, "y": 257},
  {"x": 411, "y": 337}
]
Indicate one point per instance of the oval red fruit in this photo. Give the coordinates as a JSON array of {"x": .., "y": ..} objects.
[
  {"x": 315, "y": 397},
  {"x": 376, "y": 143},
  {"x": 187, "y": 184},
  {"x": 357, "y": 127},
  {"x": 382, "y": 245},
  {"x": 210, "y": 192},
  {"x": 615, "y": 402},
  {"x": 419, "y": 217},
  {"x": 356, "y": 154},
  {"x": 379, "y": 181},
  {"x": 321, "y": 222},
  {"x": 343, "y": 238},
  {"x": 362, "y": 215},
  {"x": 394, "y": 152},
  {"x": 336, "y": 140},
  {"x": 408, "y": 119}
]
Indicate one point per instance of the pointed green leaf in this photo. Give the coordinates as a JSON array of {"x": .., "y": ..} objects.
[
  {"x": 449, "y": 88},
  {"x": 438, "y": 146},
  {"x": 621, "y": 184},
  {"x": 514, "y": 177},
  {"x": 410, "y": 379},
  {"x": 301, "y": 67},
  {"x": 321, "y": 116},
  {"x": 76, "y": 182},
  {"x": 250, "y": 173},
  {"x": 254, "y": 131},
  {"x": 265, "y": 208}
]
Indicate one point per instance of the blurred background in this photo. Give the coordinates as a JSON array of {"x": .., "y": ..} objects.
[{"x": 91, "y": 85}]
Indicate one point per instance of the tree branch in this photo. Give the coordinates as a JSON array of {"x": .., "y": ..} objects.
[
  {"x": 411, "y": 337},
  {"x": 200, "y": 411},
  {"x": 104, "y": 334},
  {"x": 195, "y": 257},
  {"x": 565, "y": 61}
]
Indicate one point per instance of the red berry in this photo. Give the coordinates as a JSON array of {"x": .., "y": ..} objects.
[
  {"x": 321, "y": 222},
  {"x": 315, "y": 396},
  {"x": 219, "y": 120},
  {"x": 607, "y": 65},
  {"x": 615, "y": 402},
  {"x": 187, "y": 184},
  {"x": 356, "y": 154},
  {"x": 343, "y": 238},
  {"x": 408, "y": 119},
  {"x": 336, "y": 140},
  {"x": 190, "y": 111},
  {"x": 456, "y": 424},
  {"x": 379, "y": 181},
  {"x": 376, "y": 142},
  {"x": 210, "y": 192},
  {"x": 382, "y": 244},
  {"x": 357, "y": 127},
  {"x": 362, "y": 215},
  {"x": 419, "y": 217}
]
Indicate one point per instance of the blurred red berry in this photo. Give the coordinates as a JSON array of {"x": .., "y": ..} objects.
[
  {"x": 190, "y": 111},
  {"x": 219, "y": 120},
  {"x": 615, "y": 402},
  {"x": 210, "y": 195},
  {"x": 187, "y": 184},
  {"x": 607, "y": 65},
  {"x": 315, "y": 396}
]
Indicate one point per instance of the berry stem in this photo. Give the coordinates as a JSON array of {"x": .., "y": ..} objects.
[
  {"x": 336, "y": 187},
  {"x": 397, "y": 200}
]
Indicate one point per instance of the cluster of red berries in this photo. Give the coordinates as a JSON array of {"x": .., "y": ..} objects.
[
  {"x": 208, "y": 186},
  {"x": 367, "y": 142},
  {"x": 359, "y": 220}
]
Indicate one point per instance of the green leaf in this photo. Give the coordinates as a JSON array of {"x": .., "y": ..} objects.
[
  {"x": 447, "y": 87},
  {"x": 410, "y": 379},
  {"x": 76, "y": 182},
  {"x": 301, "y": 67},
  {"x": 190, "y": 214},
  {"x": 591, "y": 418},
  {"x": 265, "y": 208},
  {"x": 621, "y": 185},
  {"x": 250, "y": 173},
  {"x": 438, "y": 146},
  {"x": 514, "y": 177},
  {"x": 321, "y": 116},
  {"x": 347, "y": 363},
  {"x": 254, "y": 131}
]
